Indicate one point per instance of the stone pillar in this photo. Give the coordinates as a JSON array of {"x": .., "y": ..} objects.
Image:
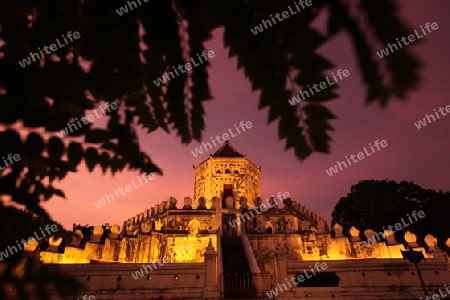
[
  {"x": 30, "y": 254},
  {"x": 281, "y": 272},
  {"x": 124, "y": 229},
  {"x": 201, "y": 203},
  {"x": 96, "y": 234},
  {"x": 390, "y": 237},
  {"x": 30, "y": 245},
  {"x": 257, "y": 201},
  {"x": 321, "y": 225},
  {"x": 229, "y": 202},
  {"x": 187, "y": 203},
  {"x": 211, "y": 290},
  {"x": 53, "y": 244},
  {"x": 173, "y": 203},
  {"x": 411, "y": 238},
  {"x": 215, "y": 203},
  {"x": 338, "y": 231},
  {"x": 243, "y": 203},
  {"x": 273, "y": 204},
  {"x": 165, "y": 205},
  {"x": 114, "y": 232},
  {"x": 431, "y": 242},
  {"x": 76, "y": 239},
  {"x": 354, "y": 232},
  {"x": 280, "y": 266}
]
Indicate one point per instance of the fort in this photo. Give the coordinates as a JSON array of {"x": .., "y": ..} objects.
[{"x": 209, "y": 259}]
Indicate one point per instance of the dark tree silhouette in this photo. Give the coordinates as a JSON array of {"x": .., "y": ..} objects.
[
  {"x": 373, "y": 204},
  {"x": 108, "y": 64},
  {"x": 15, "y": 226}
]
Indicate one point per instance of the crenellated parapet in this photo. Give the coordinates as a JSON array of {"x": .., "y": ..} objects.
[
  {"x": 268, "y": 217},
  {"x": 167, "y": 217},
  {"x": 143, "y": 248},
  {"x": 146, "y": 237},
  {"x": 316, "y": 246}
]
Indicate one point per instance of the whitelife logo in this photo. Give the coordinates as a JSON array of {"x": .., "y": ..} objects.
[
  {"x": 379, "y": 236},
  {"x": 436, "y": 296},
  {"x": 10, "y": 157},
  {"x": 272, "y": 294},
  {"x": 296, "y": 99},
  {"x": 360, "y": 156},
  {"x": 284, "y": 15},
  {"x": 90, "y": 118},
  {"x": 411, "y": 38},
  {"x": 31, "y": 240},
  {"x": 166, "y": 259},
  {"x": 187, "y": 66},
  {"x": 423, "y": 123},
  {"x": 262, "y": 208},
  {"x": 123, "y": 9},
  {"x": 128, "y": 189},
  {"x": 224, "y": 136}
]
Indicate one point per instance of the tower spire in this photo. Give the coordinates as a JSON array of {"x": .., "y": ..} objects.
[{"x": 226, "y": 150}]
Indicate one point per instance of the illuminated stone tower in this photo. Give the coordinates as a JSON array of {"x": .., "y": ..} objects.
[{"x": 227, "y": 173}]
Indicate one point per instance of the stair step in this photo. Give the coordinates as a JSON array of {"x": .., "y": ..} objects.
[{"x": 236, "y": 267}]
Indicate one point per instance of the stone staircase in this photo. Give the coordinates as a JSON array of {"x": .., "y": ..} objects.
[{"x": 237, "y": 278}]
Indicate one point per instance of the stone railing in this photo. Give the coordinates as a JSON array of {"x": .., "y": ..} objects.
[
  {"x": 249, "y": 253},
  {"x": 310, "y": 246}
]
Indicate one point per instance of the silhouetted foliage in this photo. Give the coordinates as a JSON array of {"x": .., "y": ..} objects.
[
  {"x": 22, "y": 272},
  {"x": 86, "y": 230},
  {"x": 373, "y": 204},
  {"x": 108, "y": 64}
]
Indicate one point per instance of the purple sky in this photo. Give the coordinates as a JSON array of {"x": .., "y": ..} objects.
[{"x": 415, "y": 155}]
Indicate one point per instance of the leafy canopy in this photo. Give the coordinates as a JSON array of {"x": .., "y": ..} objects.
[
  {"x": 374, "y": 204},
  {"x": 117, "y": 58}
]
